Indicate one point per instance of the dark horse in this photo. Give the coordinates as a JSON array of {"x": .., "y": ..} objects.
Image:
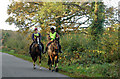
[
  {"x": 53, "y": 55},
  {"x": 36, "y": 51}
]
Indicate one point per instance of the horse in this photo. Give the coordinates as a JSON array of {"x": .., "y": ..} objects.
[
  {"x": 36, "y": 51},
  {"x": 53, "y": 55}
]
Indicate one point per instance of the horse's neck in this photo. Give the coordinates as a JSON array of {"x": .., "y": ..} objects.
[
  {"x": 34, "y": 47},
  {"x": 37, "y": 41},
  {"x": 53, "y": 45}
]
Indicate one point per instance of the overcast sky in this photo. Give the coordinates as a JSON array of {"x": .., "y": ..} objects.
[{"x": 4, "y": 16}]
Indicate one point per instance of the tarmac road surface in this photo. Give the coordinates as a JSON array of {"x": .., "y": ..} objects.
[{"x": 16, "y": 67}]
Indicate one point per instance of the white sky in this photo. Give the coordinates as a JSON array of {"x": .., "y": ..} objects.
[{"x": 4, "y": 16}]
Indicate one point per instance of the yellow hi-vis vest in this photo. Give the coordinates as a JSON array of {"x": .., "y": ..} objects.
[
  {"x": 36, "y": 34},
  {"x": 52, "y": 36}
]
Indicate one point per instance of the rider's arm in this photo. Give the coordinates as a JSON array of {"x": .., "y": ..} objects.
[
  {"x": 48, "y": 36},
  {"x": 33, "y": 37},
  {"x": 57, "y": 35}
]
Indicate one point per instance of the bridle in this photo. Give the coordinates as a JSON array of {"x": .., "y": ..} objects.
[{"x": 37, "y": 40}]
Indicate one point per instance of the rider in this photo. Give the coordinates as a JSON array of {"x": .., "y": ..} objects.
[
  {"x": 34, "y": 35},
  {"x": 51, "y": 37}
]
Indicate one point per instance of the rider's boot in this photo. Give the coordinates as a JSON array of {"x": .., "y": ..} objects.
[{"x": 46, "y": 49}]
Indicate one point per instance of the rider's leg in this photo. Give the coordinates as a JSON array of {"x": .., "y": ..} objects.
[
  {"x": 42, "y": 47},
  {"x": 31, "y": 47},
  {"x": 47, "y": 46},
  {"x": 59, "y": 47}
]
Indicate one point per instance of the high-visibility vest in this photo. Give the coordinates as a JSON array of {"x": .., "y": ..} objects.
[
  {"x": 36, "y": 34},
  {"x": 52, "y": 36}
]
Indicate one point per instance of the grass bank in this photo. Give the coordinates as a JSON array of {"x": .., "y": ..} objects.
[{"x": 77, "y": 70}]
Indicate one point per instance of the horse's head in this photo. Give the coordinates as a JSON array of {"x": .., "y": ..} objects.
[
  {"x": 55, "y": 45},
  {"x": 35, "y": 47},
  {"x": 37, "y": 39}
]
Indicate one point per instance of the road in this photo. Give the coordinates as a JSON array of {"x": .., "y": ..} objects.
[{"x": 16, "y": 67}]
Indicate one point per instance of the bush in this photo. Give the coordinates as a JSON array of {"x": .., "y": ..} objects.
[
  {"x": 73, "y": 42},
  {"x": 15, "y": 41},
  {"x": 79, "y": 50}
]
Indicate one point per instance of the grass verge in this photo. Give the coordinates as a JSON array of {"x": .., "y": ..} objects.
[{"x": 95, "y": 70}]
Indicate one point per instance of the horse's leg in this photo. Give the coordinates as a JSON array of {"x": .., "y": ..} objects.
[
  {"x": 52, "y": 61},
  {"x": 53, "y": 66},
  {"x": 49, "y": 62},
  {"x": 40, "y": 61},
  {"x": 33, "y": 58},
  {"x": 56, "y": 63},
  {"x": 33, "y": 64}
]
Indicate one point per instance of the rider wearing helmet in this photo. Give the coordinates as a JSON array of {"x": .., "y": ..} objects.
[
  {"x": 53, "y": 35},
  {"x": 34, "y": 35}
]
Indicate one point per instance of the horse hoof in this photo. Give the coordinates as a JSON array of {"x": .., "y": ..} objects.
[
  {"x": 49, "y": 68},
  {"x": 34, "y": 67},
  {"x": 40, "y": 68},
  {"x": 52, "y": 70},
  {"x": 56, "y": 70}
]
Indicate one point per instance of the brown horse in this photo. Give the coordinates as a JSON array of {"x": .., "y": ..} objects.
[
  {"x": 36, "y": 52},
  {"x": 53, "y": 55}
]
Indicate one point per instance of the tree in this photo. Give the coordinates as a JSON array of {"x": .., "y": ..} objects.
[
  {"x": 27, "y": 14},
  {"x": 97, "y": 26},
  {"x": 62, "y": 15}
]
